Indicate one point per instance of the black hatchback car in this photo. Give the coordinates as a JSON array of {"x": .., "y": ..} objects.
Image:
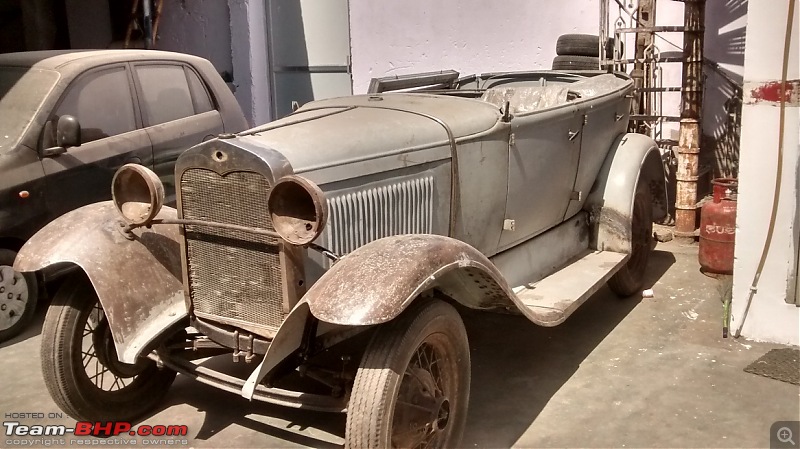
[{"x": 69, "y": 120}]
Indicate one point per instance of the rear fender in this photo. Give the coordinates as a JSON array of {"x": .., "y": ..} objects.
[
  {"x": 633, "y": 158},
  {"x": 138, "y": 281}
]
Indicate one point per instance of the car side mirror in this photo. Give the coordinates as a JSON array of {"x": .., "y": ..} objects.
[{"x": 68, "y": 134}]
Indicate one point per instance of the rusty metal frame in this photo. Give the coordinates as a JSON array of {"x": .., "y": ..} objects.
[{"x": 278, "y": 396}]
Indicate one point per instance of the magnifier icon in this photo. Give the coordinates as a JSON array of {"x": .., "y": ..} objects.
[{"x": 784, "y": 435}]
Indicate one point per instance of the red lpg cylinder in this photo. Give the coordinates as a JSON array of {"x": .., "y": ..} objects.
[{"x": 718, "y": 228}]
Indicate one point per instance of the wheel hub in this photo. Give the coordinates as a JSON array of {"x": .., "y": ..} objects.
[
  {"x": 13, "y": 296},
  {"x": 426, "y": 411},
  {"x": 443, "y": 415}
]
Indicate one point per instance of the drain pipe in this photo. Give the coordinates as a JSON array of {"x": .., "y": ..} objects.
[
  {"x": 689, "y": 133},
  {"x": 779, "y": 169}
]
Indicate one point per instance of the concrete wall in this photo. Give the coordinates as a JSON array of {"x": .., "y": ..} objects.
[
  {"x": 724, "y": 44},
  {"x": 89, "y": 23},
  {"x": 248, "y": 27},
  {"x": 232, "y": 35},
  {"x": 197, "y": 27},
  {"x": 770, "y": 318}
]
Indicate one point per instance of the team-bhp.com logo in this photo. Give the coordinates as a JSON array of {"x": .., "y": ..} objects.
[{"x": 95, "y": 429}]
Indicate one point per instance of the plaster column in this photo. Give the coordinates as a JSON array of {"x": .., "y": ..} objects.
[
  {"x": 250, "y": 62},
  {"x": 771, "y": 316}
]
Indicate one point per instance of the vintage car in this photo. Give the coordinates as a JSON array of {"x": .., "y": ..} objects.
[
  {"x": 332, "y": 250},
  {"x": 69, "y": 119}
]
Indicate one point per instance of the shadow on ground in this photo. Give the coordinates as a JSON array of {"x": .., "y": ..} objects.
[
  {"x": 517, "y": 366},
  {"x": 223, "y": 409}
]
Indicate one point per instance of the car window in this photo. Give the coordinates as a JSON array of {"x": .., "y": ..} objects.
[
  {"x": 102, "y": 103},
  {"x": 166, "y": 93},
  {"x": 202, "y": 103}
]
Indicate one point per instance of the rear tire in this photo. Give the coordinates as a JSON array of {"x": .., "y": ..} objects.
[
  {"x": 80, "y": 365},
  {"x": 572, "y": 62},
  {"x": 19, "y": 293},
  {"x": 412, "y": 387},
  {"x": 630, "y": 278},
  {"x": 578, "y": 44}
]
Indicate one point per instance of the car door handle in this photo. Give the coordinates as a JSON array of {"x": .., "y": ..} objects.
[{"x": 573, "y": 134}]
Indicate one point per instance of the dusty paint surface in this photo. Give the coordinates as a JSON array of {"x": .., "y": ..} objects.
[{"x": 138, "y": 281}]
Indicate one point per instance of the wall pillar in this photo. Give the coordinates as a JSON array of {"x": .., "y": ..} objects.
[
  {"x": 765, "y": 312},
  {"x": 250, "y": 61}
]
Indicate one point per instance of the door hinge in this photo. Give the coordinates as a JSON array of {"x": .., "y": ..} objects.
[
  {"x": 508, "y": 225},
  {"x": 576, "y": 196}
]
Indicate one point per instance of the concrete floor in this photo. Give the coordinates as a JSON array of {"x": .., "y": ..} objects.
[{"x": 619, "y": 373}]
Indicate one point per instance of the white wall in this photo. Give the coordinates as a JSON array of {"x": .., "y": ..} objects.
[
  {"x": 395, "y": 37},
  {"x": 770, "y": 318}
]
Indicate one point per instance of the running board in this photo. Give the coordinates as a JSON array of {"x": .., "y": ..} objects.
[{"x": 555, "y": 297}]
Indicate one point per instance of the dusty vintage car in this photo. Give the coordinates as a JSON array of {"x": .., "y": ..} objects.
[
  {"x": 331, "y": 250},
  {"x": 70, "y": 119}
]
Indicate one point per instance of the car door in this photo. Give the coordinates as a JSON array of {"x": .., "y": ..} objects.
[
  {"x": 111, "y": 136},
  {"x": 542, "y": 163},
  {"x": 177, "y": 112}
]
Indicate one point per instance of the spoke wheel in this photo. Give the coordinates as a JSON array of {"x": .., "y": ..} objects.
[
  {"x": 412, "y": 387},
  {"x": 80, "y": 364},
  {"x": 630, "y": 278},
  {"x": 18, "y": 297}
]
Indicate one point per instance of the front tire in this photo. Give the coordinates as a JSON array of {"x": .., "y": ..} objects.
[
  {"x": 19, "y": 293},
  {"x": 412, "y": 387},
  {"x": 80, "y": 365},
  {"x": 630, "y": 278}
]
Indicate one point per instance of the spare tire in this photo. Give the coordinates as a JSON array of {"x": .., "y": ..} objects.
[
  {"x": 578, "y": 44},
  {"x": 572, "y": 62}
]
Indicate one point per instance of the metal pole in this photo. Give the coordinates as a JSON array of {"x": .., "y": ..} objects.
[
  {"x": 147, "y": 12},
  {"x": 646, "y": 14},
  {"x": 690, "y": 130}
]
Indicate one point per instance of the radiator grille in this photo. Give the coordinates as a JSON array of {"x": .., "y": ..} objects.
[
  {"x": 360, "y": 217},
  {"x": 234, "y": 276}
]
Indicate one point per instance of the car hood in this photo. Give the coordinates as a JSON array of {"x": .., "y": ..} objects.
[{"x": 350, "y": 129}]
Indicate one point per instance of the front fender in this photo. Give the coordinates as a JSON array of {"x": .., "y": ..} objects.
[
  {"x": 376, "y": 282},
  {"x": 633, "y": 158},
  {"x": 138, "y": 281}
]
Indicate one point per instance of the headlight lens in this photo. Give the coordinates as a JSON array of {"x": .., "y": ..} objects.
[
  {"x": 298, "y": 209},
  {"x": 138, "y": 194}
]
